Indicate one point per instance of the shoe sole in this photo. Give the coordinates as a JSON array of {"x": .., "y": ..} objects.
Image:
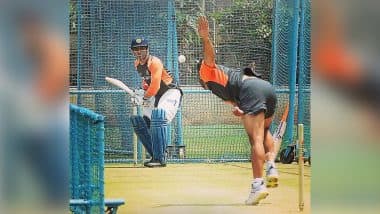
[
  {"x": 272, "y": 182},
  {"x": 156, "y": 166},
  {"x": 260, "y": 197}
]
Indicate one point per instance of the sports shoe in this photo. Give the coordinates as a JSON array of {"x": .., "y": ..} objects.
[
  {"x": 146, "y": 163},
  {"x": 258, "y": 193},
  {"x": 272, "y": 176},
  {"x": 155, "y": 163}
]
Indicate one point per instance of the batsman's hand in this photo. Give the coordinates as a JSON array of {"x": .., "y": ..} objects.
[
  {"x": 138, "y": 99},
  {"x": 148, "y": 102},
  {"x": 144, "y": 85},
  {"x": 203, "y": 29},
  {"x": 139, "y": 92},
  {"x": 237, "y": 111}
]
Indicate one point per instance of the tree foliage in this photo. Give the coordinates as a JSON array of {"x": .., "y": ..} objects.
[{"x": 237, "y": 26}]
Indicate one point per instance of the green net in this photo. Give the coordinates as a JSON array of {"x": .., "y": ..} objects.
[
  {"x": 304, "y": 81},
  {"x": 291, "y": 65},
  {"x": 87, "y": 159}
]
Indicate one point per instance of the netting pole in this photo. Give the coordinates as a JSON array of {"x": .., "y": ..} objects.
[
  {"x": 275, "y": 35},
  {"x": 178, "y": 118},
  {"x": 169, "y": 56},
  {"x": 79, "y": 48},
  {"x": 134, "y": 140},
  {"x": 304, "y": 68},
  {"x": 301, "y": 73},
  {"x": 274, "y": 52},
  {"x": 293, "y": 68},
  {"x": 100, "y": 148}
]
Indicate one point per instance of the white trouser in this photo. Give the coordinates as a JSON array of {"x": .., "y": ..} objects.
[{"x": 169, "y": 102}]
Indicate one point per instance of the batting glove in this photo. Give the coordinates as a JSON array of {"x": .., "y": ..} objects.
[
  {"x": 148, "y": 102},
  {"x": 137, "y": 99},
  {"x": 139, "y": 92}
]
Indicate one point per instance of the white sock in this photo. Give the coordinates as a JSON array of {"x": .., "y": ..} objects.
[
  {"x": 270, "y": 164},
  {"x": 257, "y": 184},
  {"x": 258, "y": 180}
]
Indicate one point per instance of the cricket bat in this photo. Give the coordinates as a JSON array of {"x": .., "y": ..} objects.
[
  {"x": 121, "y": 85},
  {"x": 280, "y": 131}
]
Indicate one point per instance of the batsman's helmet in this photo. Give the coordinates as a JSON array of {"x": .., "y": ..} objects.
[{"x": 139, "y": 42}]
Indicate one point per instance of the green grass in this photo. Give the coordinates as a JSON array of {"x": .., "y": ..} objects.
[
  {"x": 218, "y": 141},
  {"x": 202, "y": 141},
  {"x": 215, "y": 141}
]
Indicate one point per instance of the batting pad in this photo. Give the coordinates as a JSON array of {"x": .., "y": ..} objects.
[
  {"x": 142, "y": 131},
  {"x": 159, "y": 129}
]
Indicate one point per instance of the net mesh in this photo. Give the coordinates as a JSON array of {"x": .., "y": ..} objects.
[
  {"x": 304, "y": 82},
  {"x": 291, "y": 64},
  {"x": 87, "y": 158}
]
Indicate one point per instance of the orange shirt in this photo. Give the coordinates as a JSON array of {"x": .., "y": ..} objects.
[
  {"x": 154, "y": 75},
  {"x": 213, "y": 74},
  {"x": 222, "y": 82}
]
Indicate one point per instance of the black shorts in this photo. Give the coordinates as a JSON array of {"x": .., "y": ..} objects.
[{"x": 257, "y": 95}]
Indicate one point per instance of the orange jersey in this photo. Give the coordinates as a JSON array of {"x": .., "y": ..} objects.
[
  {"x": 155, "y": 76},
  {"x": 223, "y": 82}
]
